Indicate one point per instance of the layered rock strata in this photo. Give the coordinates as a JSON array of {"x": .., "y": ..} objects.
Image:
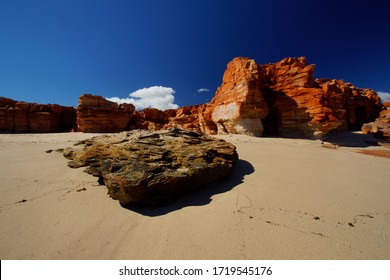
[
  {"x": 301, "y": 106},
  {"x": 96, "y": 114},
  {"x": 279, "y": 99},
  {"x": 239, "y": 105},
  {"x": 154, "y": 167}
]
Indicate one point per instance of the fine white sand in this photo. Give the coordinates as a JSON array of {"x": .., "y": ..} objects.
[{"x": 288, "y": 199}]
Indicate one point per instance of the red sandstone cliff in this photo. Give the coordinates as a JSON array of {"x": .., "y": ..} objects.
[
  {"x": 301, "y": 106},
  {"x": 239, "y": 105},
  {"x": 23, "y": 117},
  {"x": 96, "y": 114},
  {"x": 279, "y": 99},
  {"x": 284, "y": 99}
]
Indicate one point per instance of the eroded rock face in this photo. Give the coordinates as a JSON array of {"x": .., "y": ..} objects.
[
  {"x": 23, "y": 117},
  {"x": 284, "y": 99},
  {"x": 288, "y": 74},
  {"x": 150, "y": 118},
  {"x": 293, "y": 100},
  {"x": 239, "y": 105},
  {"x": 301, "y": 106},
  {"x": 381, "y": 126},
  {"x": 197, "y": 117},
  {"x": 154, "y": 167},
  {"x": 281, "y": 99},
  {"x": 186, "y": 117}
]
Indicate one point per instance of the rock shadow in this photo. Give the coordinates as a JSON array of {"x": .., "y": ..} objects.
[
  {"x": 285, "y": 118},
  {"x": 199, "y": 197},
  {"x": 353, "y": 139}
]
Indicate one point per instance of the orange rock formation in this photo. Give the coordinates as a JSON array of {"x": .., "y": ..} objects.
[
  {"x": 381, "y": 126},
  {"x": 96, "y": 114},
  {"x": 239, "y": 105},
  {"x": 301, "y": 106},
  {"x": 279, "y": 99},
  {"x": 23, "y": 117}
]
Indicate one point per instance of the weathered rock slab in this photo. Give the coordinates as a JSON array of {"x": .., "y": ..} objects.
[{"x": 144, "y": 167}]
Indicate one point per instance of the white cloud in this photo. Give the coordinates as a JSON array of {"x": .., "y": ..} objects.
[
  {"x": 385, "y": 96},
  {"x": 158, "y": 97},
  {"x": 203, "y": 90}
]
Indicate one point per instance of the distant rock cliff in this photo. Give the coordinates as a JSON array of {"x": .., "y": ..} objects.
[
  {"x": 279, "y": 99},
  {"x": 23, "y": 117},
  {"x": 96, "y": 114}
]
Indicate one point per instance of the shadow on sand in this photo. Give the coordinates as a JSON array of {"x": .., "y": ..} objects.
[
  {"x": 353, "y": 139},
  {"x": 200, "y": 197}
]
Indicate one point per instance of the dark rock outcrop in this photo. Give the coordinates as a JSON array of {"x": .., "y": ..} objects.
[{"x": 154, "y": 167}]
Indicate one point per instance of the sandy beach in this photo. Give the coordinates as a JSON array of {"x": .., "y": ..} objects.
[{"x": 287, "y": 199}]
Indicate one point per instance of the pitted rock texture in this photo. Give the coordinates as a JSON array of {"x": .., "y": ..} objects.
[{"x": 143, "y": 167}]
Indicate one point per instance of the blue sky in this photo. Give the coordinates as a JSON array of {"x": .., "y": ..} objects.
[{"x": 54, "y": 51}]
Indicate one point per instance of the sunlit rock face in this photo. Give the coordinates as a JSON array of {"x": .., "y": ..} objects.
[
  {"x": 145, "y": 167},
  {"x": 96, "y": 114},
  {"x": 284, "y": 99},
  {"x": 281, "y": 99},
  {"x": 239, "y": 105},
  {"x": 302, "y": 106}
]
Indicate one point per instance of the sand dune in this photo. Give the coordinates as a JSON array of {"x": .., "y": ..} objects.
[{"x": 288, "y": 199}]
